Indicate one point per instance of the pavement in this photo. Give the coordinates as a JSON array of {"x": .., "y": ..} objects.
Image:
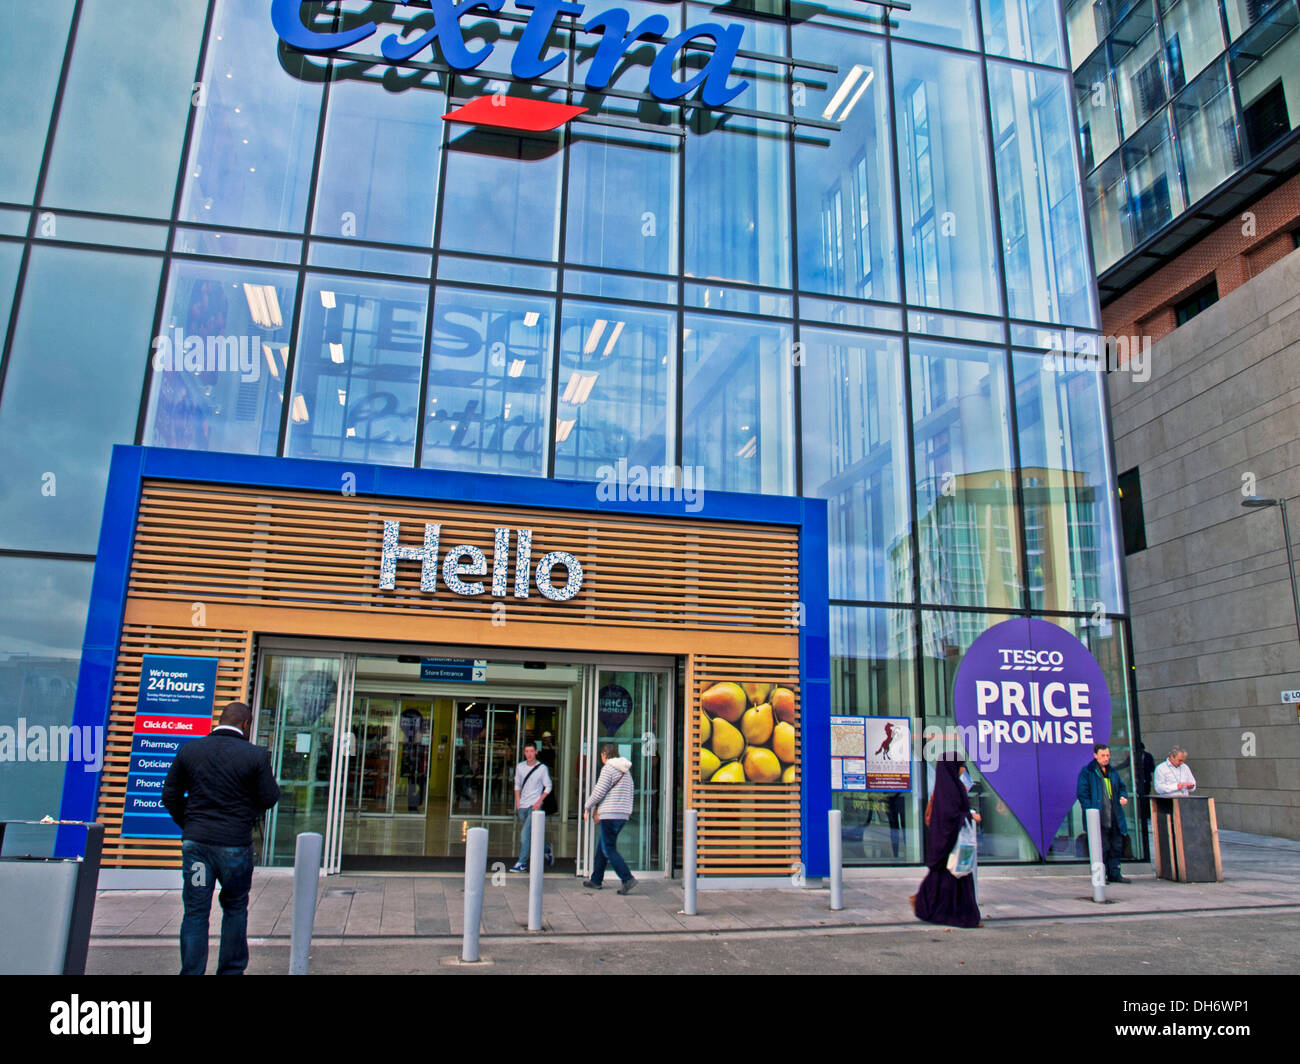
[{"x": 380, "y": 918}]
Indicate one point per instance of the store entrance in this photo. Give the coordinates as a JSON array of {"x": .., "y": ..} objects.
[{"x": 393, "y": 757}]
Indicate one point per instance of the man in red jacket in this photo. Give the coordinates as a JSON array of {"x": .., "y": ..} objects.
[{"x": 216, "y": 790}]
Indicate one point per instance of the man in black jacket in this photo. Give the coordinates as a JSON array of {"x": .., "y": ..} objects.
[{"x": 216, "y": 790}]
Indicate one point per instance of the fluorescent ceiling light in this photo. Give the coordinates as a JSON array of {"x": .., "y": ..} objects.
[
  {"x": 506, "y": 412},
  {"x": 613, "y": 339},
  {"x": 517, "y": 367},
  {"x": 270, "y": 361},
  {"x": 327, "y": 299},
  {"x": 336, "y": 353},
  {"x": 846, "y": 87},
  {"x": 750, "y": 449},
  {"x": 530, "y": 319},
  {"x": 351, "y": 432},
  {"x": 263, "y": 305},
  {"x": 593, "y": 338},
  {"x": 343, "y": 397},
  {"x": 579, "y": 387},
  {"x": 299, "y": 409},
  {"x": 563, "y": 428}
]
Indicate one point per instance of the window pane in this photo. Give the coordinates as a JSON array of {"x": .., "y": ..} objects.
[
  {"x": 1098, "y": 133},
  {"x": 379, "y": 160},
  {"x": 965, "y": 498},
  {"x": 10, "y": 256},
  {"x": 950, "y": 22},
  {"x": 489, "y": 398},
  {"x": 41, "y": 629},
  {"x": 1024, "y": 29},
  {"x": 1207, "y": 133},
  {"x": 57, "y": 428},
  {"x": 356, "y": 376},
  {"x": 845, "y": 205},
  {"x": 1073, "y": 562},
  {"x": 219, "y": 364},
  {"x": 1105, "y": 195},
  {"x": 1048, "y": 277},
  {"x": 502, "y": 194},
  {"x": 616, "y": 365},
  {"x": 873, "y": 675},
  {"x": 254, "y": 138},
  {"x": 1138, "y": 73},
  {"x": 1193, "y": 38},
  {"x": 31, "y": 56},
  {"x": 1265, "y": 62},
  {"x": 855, "y": 456},
  {"x": 943, "y": 158},
  {"x": 1153, "y": 178},
  {"x": 124, "y": 108},
  {"x": 737, "y": 420},
  {"x": 622, "y": 207},
  {"x": 1084, "y": 21},
  {"x": 737, "y": 201}
]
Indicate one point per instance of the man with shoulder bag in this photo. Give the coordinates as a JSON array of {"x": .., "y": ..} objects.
[{"x": 532, "y": 785}]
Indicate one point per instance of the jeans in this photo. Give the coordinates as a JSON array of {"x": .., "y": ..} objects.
[
  {"x": 607, "y": 850},
  {"x": 525, "y": 842},
  {"x": 1112, "y": 848},
  {"x": 201, "y": 867}
]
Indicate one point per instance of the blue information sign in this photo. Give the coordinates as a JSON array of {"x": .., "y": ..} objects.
[
  {"x": 174, "y": 707},
  {"x": 454, "y": 670}
]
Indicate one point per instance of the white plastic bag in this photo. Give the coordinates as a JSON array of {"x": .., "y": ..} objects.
[{"x": 961, "y": 861}]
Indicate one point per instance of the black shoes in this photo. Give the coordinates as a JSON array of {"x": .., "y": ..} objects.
[
  {"x": 592, "y": 886},
  {"x": 626, "y": 888},
  {"x": 1119, "y": 879}
]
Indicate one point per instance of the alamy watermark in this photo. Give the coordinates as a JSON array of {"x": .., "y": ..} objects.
[
  {"x": 78, "y": 744},
  {"x": 636, "y": 483},
  {"x": 178, "y": 353},
  {"x": 1087, "y": 352}
]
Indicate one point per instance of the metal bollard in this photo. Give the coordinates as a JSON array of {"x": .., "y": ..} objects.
[
  {"x": 1096, "y": 856},
  {"x": 536, "y": 863},
  {"x": 476, "y": 845},
  {"x": 833, "y": 818},
  {"x": 306, "y": 876},
  {"x": 688, "y": 860}
]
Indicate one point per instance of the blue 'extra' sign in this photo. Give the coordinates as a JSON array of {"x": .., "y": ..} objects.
[{"x": 530, "y": 59}]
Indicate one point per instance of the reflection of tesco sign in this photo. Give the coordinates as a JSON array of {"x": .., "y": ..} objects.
[{"x": 530, "y": 59}]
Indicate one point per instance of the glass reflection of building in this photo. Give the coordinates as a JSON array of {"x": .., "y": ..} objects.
[{"x": 852, "y": 282}]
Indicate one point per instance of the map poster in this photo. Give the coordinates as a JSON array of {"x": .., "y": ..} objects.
[{"x": 848, "y": 754}]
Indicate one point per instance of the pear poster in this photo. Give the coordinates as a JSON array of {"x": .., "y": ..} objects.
[{"x": 748, "y": 733}]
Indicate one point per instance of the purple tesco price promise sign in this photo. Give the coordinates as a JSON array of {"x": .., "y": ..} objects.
[{"x": 1031, "y": 701}]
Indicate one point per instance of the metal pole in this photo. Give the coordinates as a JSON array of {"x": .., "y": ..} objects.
[
  {"x": 306, "y": 877},
  {"x": 1290, "y": 564},
  {"x": 476, "y": 844},
  {"x": 688, "y": 860},
  {"x": 1095, "y": 854},
  {"x": 833, "y": 817},
  {"x": 536, "y": 862}
]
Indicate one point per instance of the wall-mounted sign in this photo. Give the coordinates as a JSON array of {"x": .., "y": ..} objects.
[
  {"x": 1290, "y": 696},
  {"x": 1031, "y": 702},
  {"x": 848, "y": 754},
  {"x": 174, "y": 707},
  {"x": 530, "y": 58},
  {"x": 454, "y": 670},
  {"x": 465, "y": 560}
]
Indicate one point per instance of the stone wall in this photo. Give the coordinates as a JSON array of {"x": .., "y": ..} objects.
[{"x": 1214, "y": 628}]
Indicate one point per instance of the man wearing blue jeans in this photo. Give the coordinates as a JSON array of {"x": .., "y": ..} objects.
[
  {"x": 532, "y": 785},
  {"x": 216, "y": 790},
  {"x": 611, "y": 803}
]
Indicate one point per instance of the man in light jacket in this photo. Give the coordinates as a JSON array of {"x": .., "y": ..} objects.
[
  {"x": 1173, "y": 778},
  {"x": 611, "y": 799}
]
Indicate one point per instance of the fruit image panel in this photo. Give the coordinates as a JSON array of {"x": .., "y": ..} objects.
[{"x": 748, "y": 733}]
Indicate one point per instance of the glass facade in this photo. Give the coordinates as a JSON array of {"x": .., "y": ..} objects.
[
  {"x": 828, "y": 286},
  {"x": 1173, "y": 98}
]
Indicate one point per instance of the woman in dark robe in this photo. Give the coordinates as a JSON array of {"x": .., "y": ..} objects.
[{"x": 943, "y": 897}]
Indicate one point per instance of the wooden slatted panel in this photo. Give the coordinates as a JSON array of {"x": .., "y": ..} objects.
[
  {"x": 301, "y": 549},
  {"x": 234, "y": 649},
  {"x": 744, "y": 828}
]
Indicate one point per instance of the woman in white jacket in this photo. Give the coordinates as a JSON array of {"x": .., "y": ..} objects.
[{"x": 611, "y": 799}]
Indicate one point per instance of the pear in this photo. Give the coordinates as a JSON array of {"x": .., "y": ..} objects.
[
  {"x": 761, "y": 765},
  {"x": 783, "y": 704},
  {"x": 788, "y": 775},
  {"x": 706, "y": 729},
  {"x": 728, "y": 743},
  {"x": 783, "y": 742},
  {"x": 756, "y": 692},
  {"x": 709, "y": 764},
  {"x": 729, "y": 773},
  {"x": 757, "y": 724},
  {"x": 726, "y": 700}
]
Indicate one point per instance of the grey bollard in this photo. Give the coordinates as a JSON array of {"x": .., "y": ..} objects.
[
  {"x": 688, "y": 859},
  {"x": 476, "y": 847},
  {"x": 837, "y": 860},
  {"x": 306, "y": 877},
  {"x": 1096, "y": 856},
  {"x": 536, "y": 864}
]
